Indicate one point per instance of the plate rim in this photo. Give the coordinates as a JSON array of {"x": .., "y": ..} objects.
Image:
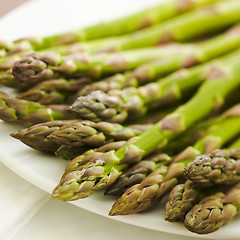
[{"x": 35, "y": 180}]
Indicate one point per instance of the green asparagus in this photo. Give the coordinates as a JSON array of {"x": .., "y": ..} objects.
[
  {"x": 181, "y": 199},
  {"x": 140, "y": 170},
  {"x": 93, "y": 134},
  {"x": 131, "y": 103},
  {"x": 103, "y": 171},
  {"x": 36, "y": 136},
  {"x": 70, "y": 135},
  {"x": 57, "y": 91},
  {"x": 28, "y": 112},
  {"x": 154, "y": 15},
  {"x": 135, "y": 200},
  {"x": 214, "y": 211},
  {"x": 152, "y": 70},
  {"x": 218, "y": 167},
  {"x": 37, "y": 67},
  {"x": 196, "y": 23}
]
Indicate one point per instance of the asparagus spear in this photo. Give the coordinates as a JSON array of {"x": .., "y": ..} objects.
[
  {"x": 94, "y": 134},
  {"x": 144, "y": 73},
  {"x": 68, "y": 152},
  {"x": 103, "y": 171},
  {"x": 13, "y": 110},
  {"x": 140, "y": 170},
  {"x": 135, "y": 200},
  {"x": 7, "y": 63},
  {"x": 135, "y": 173},
  {"x": 148, "y": 17},
  {"x": 36, "y": 67},
  {"x": 55, "y": 136},
  {"x": 57, "y": 91},
  {"x": 190, "y": 25},
  {"x": 130, "y": 103},
  {"x": 214, "y": 211},
  {"x": 217, "y": 167},
  {"x": 36, "y": 136},
  {"x": 182, "y": 198}
]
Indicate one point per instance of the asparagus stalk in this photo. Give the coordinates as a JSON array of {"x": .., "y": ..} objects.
[
  {"x": 36, "y": 67},
  {"x": 154, "y": 15},
  {"x": 217, "y": 167},
  {"x": 186, "y": 27},
  {"x": 182, "y": 198},
  {"x": 140, "y": 170},
  {"x": 103, "y": 171},
  {"x": 7, "y": 63},
  {"x": 200, "y": 130},
  {"x": 56, "y": 91},
  {"x": 68, "y": 152},
  {"x": 153, "y": 70},
  {"x": 94, "y": 134},
  {"x": 55, "y": 136},
  {"x": 134, "y": 200},
  {"x": 13, "y": 110},
  {"x": 131, "y": 103},
  {"x": 214, "y": 211}
]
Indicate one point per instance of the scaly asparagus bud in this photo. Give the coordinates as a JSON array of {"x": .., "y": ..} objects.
[
  {"x": 57, "y": 91},
  {"x": 13, "y": 109},
  {"x": 36, "y": 136},
  {"x": 118, "y": 81},
  {"x": 181, "y": 199},
  {"x": 82, "y": 133},
  {"x": 218, "y": 167},
  {"x": 75, "y": 167},
  {"x": 213, "y": 211}
]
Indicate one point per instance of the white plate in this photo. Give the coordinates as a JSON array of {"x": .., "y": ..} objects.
[{"x": 47, "y": 17}]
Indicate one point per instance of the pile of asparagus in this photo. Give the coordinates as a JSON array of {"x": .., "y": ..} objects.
[{"x": 140, "y": 107}]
